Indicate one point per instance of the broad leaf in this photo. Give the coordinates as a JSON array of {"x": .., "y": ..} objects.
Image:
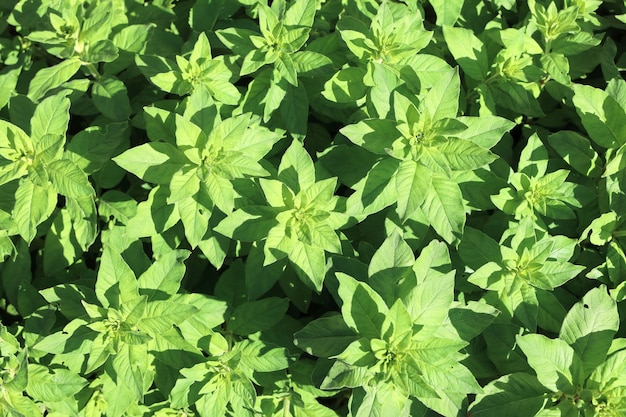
[
  {"x": 363, "y": 310},
  {"x": 590, "y": 326}
]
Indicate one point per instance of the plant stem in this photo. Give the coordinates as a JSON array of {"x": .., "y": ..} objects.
[{"x": 92, "y": 70}]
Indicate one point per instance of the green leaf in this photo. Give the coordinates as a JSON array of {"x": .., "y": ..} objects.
[
  {"x": 411, "y": 183},
  {"x": 430, "y": 301},
  {"x": 378, "y": 401},
  {"x": 467, "y": 49},
  {"x": 514, "y": 97},
  {"x": 120, "y": 394},
  {"x": 463, "y": 155},
  {"x": 60, "y": 248},
  {"x": 51, "y": 117},
  {"x": 116, "y": 284},
  {"x": 238, "y": 40},
  {"x": 8, "y": 80},
  {"x": 601, "y": 228},
  {"x": 285, "y": 69},
  {"x": 554, "y": 361},
  {"x": 444, "y": 208},
  {"x": 515, "y": 395},
  {"x": 590, "y": 326},
  {"x": 345, "y": 86},
  {"x": 203, "y": 15},
  {"x": 375, "y": 135},
  {"x": 33, "y": 205},
  {"x": 221, "y": 192},
  {"x": 400, "y": 323},
  {"x": 189, "y": 135},
  {"x": 447, "y": 11},
  {"x": 111, "y": 98},
  {"x": 13, "y": 138},
  {"x": 160, "y": 124},
  {"x": 363, "y": 309},
  {"x": 449, "y": 376},
  {"x": 53, "y": 386},
  {"x": 376, "y": 191},
  {"x": 69, "y": 180},
  {"x": 154, "y": 162},
  {"x": 442, "y": 100},
  {"x": 162, "y": 279},
  {"x": 17, "y": 404},
  {"x": 551, "y": 313},
  {"x": 254, "y": 316},
  {"x": 84, "y": 218},
  {"x": 603, "y": 118},
  {"x": 118, "y": 205},
  {"x": 49, "y": 147},
  {"x": 159, "y": 316},
  {"x": 477, "y": 249},
  {"x": 184, "y": 184},
  {"x": 154, "y": 216},
  {"x": 616, "y": 265},
  {"x": 557, "y": 66},
  {"x": 515, "y": 297},
  {"x": 294, "y": 111},
  {"x": 102, "y": 51},
  {"x": 325, "y": 337},
  {"x": 92, "y": 149},
  {"x": 162, "y": 73},
  {"x": 257, "y": 357},
  {"x": 576, "y": 150},
  {"x": 51, "y": 77},
  {"x": 309, "y": 263},
  {"x": 534, "y": 158},
  {"x": 471, "y": 320},
  {"x": 249, "y": 224},
  {"x": 384, "y": 81},
  {"x": 133, "y": 38},
  {"x": 433, "y": 260},
  {"x": 485, "y": 131},
  {"x": 390, "y": 263},
  {"x": 617, "y": 163},
  {"x": 253, "y": 60},
  {"x": 195, "y": 217},
  {"x": 609, "y": 375},
  {"x": 296, "y": 168},
  {"x": 299, "y": 14},
  {"x": 554, "y": 274},
  {"x": 343, "y": 375}
]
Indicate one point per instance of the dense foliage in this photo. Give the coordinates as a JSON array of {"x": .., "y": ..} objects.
[{"x": 312, "y": 208}]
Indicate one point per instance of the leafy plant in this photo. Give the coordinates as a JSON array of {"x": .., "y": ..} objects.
[
  {"x": 312, "y": 208},
  {"x": 574, "y": 374}
]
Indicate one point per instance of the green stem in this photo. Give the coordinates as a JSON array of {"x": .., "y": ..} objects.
[
  {"x": 546, "y": 49},
  {"x": 471, "y": 96},
  {"x": 92, "y": 70},
  {"x": 286, "y": 407}
]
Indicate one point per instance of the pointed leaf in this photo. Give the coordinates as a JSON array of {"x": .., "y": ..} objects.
[
  {"x": 444, "y": 208},
  {"x": 69, "y": 180},
  {"x": 116, "y": 283},
  {"x": 363, "y": 309},
  {"x": 553, "y": 360},
  {"x": 296, "y": 168},
  {"x": 467, "y": 49},
  {"x": 442, "y": 100},
  {"x": 325, "y": 337},
  {"x": 590, "y": 326},
  {"x": 514, "y": 395},
  {"x": 153, "y": 162}
]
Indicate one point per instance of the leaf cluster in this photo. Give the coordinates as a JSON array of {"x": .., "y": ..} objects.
[{"x": 312, "y": 208}]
